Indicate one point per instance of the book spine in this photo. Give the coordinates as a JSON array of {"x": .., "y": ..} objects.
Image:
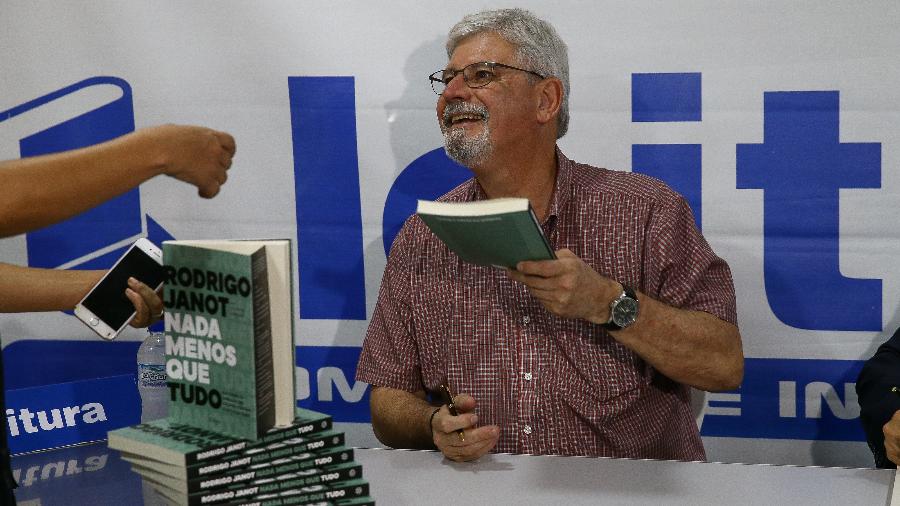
[
  {"x": 537, "y": 225},
  {"x": 347, "y": 489},
  {"x": 352, "y": 501},
  {"x": 288, "y": 448},
  {"x": 355, "y": 501},
  {"x": 262, "y": 338},
  {"x": 315, "y": 476},
  {"x": 273, "y": 436},
  {"x": 298, "y": 464}
]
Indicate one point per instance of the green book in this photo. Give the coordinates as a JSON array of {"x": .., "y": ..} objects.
[
  {"x": 303, "y": 446},
  {"x": 184, "y": 445},
  {"x": 353, "y": 501},
  {"x": 500, "y": 232},
  {"x": 302, "y": 463},
  {"x": 229, "y": 335},
  {"x": 273, "y": 485},
  {"x": 294, "y": 497},
  {"x": 244, "y": 478}
]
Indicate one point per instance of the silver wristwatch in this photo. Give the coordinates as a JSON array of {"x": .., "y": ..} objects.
[{"x": 623, "y": 311}]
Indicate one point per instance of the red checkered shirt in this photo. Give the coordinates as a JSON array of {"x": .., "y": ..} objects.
[{"x": 553, "y": 385}]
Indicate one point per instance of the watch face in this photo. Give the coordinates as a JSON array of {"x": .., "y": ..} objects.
[{"x": 625, "y": 312}]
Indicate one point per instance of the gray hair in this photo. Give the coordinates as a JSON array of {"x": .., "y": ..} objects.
[{"x": 538, "y": 46}]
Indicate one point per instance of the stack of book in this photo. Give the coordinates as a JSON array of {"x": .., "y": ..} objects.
[
  {"x": 303, "y": 463},
  {"x": 234, "y": 434}
]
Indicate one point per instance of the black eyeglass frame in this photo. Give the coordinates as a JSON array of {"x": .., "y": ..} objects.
[{"x": 439, "y": 76}]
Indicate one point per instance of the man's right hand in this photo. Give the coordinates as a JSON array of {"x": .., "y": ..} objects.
[{"x": 478, "y": 440}]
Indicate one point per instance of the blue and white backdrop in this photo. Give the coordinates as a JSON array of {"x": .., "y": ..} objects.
[{"x": 778, "y": 121}]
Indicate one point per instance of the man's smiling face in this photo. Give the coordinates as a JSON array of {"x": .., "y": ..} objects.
[{"x": 477, "y": 122}]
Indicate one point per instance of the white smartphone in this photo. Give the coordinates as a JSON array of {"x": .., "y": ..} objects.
[{"x": 106, "y": 309}]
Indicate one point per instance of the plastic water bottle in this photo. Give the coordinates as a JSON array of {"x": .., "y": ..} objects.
[{"x": 151, "y": 377}]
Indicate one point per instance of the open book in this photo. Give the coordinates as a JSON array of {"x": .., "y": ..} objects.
[{"x": 501, "y": 232}]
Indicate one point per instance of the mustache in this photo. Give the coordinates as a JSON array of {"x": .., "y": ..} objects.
[{"x": 454, "y": 108}]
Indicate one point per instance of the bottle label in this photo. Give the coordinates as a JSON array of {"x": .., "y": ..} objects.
[{"x": 152, "y": 375}]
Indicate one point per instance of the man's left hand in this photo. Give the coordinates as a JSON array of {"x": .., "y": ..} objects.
[{"x": 568, "y": 287}]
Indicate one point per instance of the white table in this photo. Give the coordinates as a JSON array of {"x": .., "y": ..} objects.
[
  {"x": 93, "y": 475},
  {"x": 413, "y": 477}
]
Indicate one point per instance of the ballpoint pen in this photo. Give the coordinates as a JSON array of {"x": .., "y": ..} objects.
[{"x": 447, "y": 397}]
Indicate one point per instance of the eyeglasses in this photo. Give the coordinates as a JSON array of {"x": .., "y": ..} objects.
[{"x": 476, "y": 75}]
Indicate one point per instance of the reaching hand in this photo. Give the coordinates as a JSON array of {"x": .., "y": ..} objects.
[
  {"x": 196, "y": 155},
  {"x": 478, "y": 440}
]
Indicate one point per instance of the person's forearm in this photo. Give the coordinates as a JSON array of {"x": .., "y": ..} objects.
[
  {"x": 401, "y": 419},
  {"x": 691, "y": 347},
  {"x": 24, "y": 289},
  {"x": 42, "y": 190}
]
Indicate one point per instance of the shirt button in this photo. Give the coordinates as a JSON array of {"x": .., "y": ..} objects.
[
  {"x": 526, "y": 319},
  {"x": 527, "y": 429},
  {"x": 527, "y": 376}
]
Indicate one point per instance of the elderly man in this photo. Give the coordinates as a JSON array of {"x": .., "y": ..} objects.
[{"x": 589, "y": 354}]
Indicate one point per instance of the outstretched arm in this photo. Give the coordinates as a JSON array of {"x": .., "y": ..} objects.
[
  {"x": 26, "y": 289},
  {"x": 38, "y": 191}
]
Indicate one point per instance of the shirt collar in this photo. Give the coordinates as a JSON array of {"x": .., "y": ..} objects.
[{"x": 561, "y": 188}]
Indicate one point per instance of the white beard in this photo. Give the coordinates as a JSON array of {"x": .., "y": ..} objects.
[{"x": 467, "y": 151}]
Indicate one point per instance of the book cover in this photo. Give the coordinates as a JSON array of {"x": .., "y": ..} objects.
[
  {"x": 272, "y": 485},
  {"x": 500, "y": 232},
  {"x": 184, "y": 445},
  {"x": 287, "y": 448},
  {"x": 229, "y": 334}
]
